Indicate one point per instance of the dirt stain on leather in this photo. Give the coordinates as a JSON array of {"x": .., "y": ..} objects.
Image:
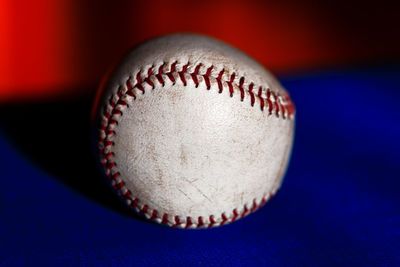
[
  {"x": 183, "y": 155},
  {"x": 175, "y": 94}
]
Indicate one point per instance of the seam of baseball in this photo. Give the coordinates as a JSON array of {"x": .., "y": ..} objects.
[{"x": 281, "y": 106}]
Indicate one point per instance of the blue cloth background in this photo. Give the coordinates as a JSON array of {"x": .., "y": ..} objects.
[{"x": 339, "y": 203}]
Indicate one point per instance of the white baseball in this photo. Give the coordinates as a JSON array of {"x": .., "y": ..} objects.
[{"x": 192, "y": 132}]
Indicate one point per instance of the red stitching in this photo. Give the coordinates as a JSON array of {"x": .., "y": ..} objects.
[
  {"x": 127, "y": 194},
  {"x": 224, "y": 219},
  {"x": 165, "y": 219},
  {"x": 109, "y": 132},
  {"x": 182, "y": 74},
  {"x": 108, "y": 155},
  {"x": 108, "y": 143},
  {"x": 231, "y": 87},
  {"x": 143, "y": 210},
  {"x": 245, "y": 211},
  {"x": 282, "y": 107},
  {"x": 207, "y": 77},
  {"x": 117, "y": 112},
  {"x": 235, "y": 215},
  {"x": 269, "y": 101},
  {"x": 154, "y": 215},
  {"x": 252, "y": 99},
  {"x": 219, "y": 78},
  {"x": 194, "y": 75},
  {"x": 286, "y": 109},
  {"x": 107, "y": 115},
  {"x": 200, "y": 222},
  {"x": 115, "y": 176},
  {"x": 110, "y": 165},
  {"x": 129, "y": 88},
  {"x": 212, "y": 221},
  {"x": 159, "y": 75},
  {"x": 177, "y": 221},
  {"x": 113, "y": 122},
  {"x": 170, "y": 74},
  {"x": 259, "y": 95},
  {"x": 128, "y": 83},
  {"x": 263, "y": 201},
  {"x": 254, "y": 208},
  {"x": 139, "y": 82},
  {"x": 290, "y": 107},
  {"x": 119, "y": 93},
  {"x": 135, "y": 202},
  {"x": 188, "y": 222},
  {"x": 149, "y": 74},
  {"x": 276, "y": 104}
]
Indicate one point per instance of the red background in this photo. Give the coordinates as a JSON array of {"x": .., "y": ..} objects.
[{"x": 57, "y": 48}]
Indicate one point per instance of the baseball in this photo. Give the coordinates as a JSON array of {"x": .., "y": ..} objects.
[{"x": 193, "y": 133}]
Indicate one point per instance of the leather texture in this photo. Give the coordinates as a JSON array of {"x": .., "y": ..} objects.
[{"x": 184, "y": 149}]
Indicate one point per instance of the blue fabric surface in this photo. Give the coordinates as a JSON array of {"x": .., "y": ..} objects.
[{"x": 339, "y": 203}]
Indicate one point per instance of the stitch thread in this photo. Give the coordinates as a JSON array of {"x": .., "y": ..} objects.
[
  {"x": 277, "y": 104},
  {"x": 207, "y": 77}
]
